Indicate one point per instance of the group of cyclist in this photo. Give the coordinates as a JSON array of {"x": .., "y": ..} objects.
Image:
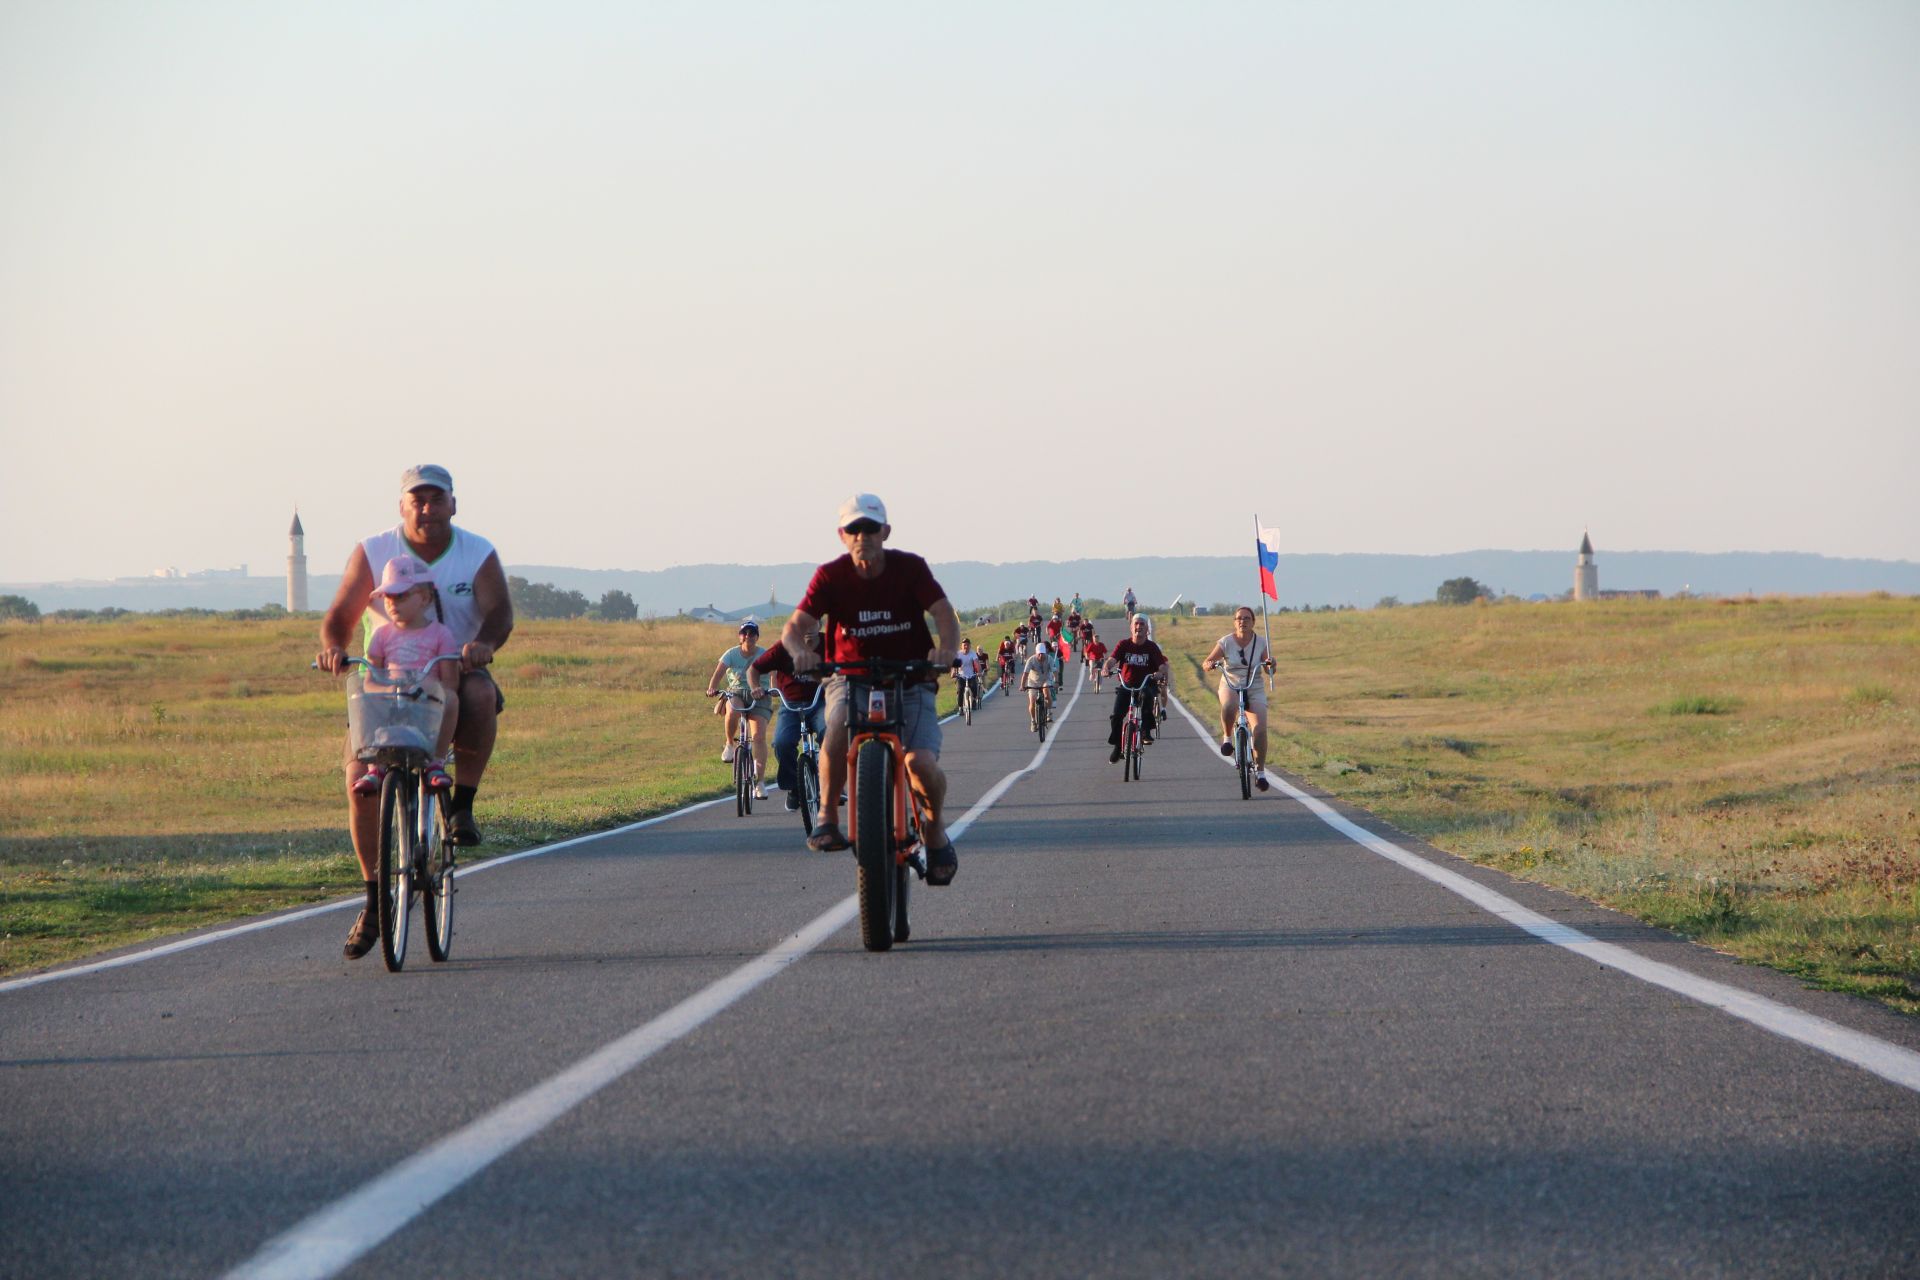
[{"x": 870, "y": 604}]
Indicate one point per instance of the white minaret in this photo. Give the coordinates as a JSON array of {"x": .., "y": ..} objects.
[
  {"x": 1586, "y": 574},
  {"x": 297, "y": 566}
]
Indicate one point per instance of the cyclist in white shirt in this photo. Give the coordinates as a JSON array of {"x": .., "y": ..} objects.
[
  {"x": 1036, "y": 676},
  {"x": 967, "y": 666},
  {"x": 1244, "y": 655}
]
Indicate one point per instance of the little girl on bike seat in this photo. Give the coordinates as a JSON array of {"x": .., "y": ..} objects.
[{"x": 411, "y": 640}]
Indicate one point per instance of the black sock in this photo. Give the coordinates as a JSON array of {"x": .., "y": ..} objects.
[
  {"x": 463, "y": 799},
  {"x": 373, "y": 895}
]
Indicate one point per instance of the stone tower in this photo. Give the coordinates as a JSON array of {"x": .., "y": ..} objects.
[
  {"x": 1586, "y": 574},
  {"x": 296, "y": 567}
]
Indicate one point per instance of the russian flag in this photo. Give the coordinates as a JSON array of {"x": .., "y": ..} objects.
[{"x": 1269, "y": 544}]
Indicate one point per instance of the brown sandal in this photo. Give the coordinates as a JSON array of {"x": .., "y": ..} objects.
[
  {"x": 360, "y": 938},
  {"x": 828, "y": 838}
]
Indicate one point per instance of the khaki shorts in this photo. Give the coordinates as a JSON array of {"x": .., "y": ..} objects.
[
  {"x": 919, "y": 723},
  {"x": 1256, "y": 696},
  {"x": 760, "y": 708}
]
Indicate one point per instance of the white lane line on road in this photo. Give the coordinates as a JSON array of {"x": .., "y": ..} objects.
[
  {"x": 274, "y": 922},
  {"x": 1883, "y": 1058},
  {"x": 336, "y": 1237}
]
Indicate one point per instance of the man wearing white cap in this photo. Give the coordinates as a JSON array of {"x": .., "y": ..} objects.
[
  {"x": 472, "y": 588},
  {"x": 876, "y": 602}
]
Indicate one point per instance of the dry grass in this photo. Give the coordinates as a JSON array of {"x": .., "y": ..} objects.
[{"x": 1745, "y": 773}]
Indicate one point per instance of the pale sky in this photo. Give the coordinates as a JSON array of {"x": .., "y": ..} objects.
[{"x": 663, "y": 283}]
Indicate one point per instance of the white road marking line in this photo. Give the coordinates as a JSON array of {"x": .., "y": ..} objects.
[
  {"x": 274, "y": 922},
  {"x": 333, "y": 1239},
  {"x": 1889, "y": 1061}
]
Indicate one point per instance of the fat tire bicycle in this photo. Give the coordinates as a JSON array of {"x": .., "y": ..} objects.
[
  {"x": 395, "y": 724},
  {"x": 806, "y": 757},
  {"x": 883, "y": 807}
]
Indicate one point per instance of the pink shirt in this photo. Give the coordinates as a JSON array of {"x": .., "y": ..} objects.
[{"x": 393, "y": 647}]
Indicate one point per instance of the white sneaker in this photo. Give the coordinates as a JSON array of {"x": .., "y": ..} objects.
[
  {"x": 726, "y": 754},
  {"x": 759, "y": 791}
]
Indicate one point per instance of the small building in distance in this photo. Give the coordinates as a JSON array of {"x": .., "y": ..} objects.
[
  {"x": 1586, "y": 579},
  {"x": 758, "y": 612}
]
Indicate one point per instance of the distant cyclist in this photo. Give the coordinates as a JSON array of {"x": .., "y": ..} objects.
[
  {"x": 1058, "y": 608},
  {"x": 1036, "y": 677},
  {"x": 1078, "y": 605},
  {"x": 1131, "y": 601},
  {"x": 1096, "y": 657},
  {"x": 1244, "y": 656},
  {"x": 967, "y": 666},
  {"x": 1006, "y": 654},
  {"x": 732, "y": 668}
]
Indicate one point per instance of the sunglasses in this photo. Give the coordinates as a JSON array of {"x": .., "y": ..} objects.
[{"x": 861, "y": 527}]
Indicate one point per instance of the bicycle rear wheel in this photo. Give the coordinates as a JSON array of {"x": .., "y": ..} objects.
[
  {"x": 873, "y": 845},
  {"x": 398, "y": 805},
  {"x": 436, "y": 860}
]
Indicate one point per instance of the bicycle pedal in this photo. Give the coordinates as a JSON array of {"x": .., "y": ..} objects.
[{"x": 918, "y": 861}]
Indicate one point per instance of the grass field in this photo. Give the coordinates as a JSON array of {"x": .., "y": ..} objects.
[{"x": 1745, "y": 773}]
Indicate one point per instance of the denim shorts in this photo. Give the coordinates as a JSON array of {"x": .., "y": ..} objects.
[{"x": 919, "y": 724}]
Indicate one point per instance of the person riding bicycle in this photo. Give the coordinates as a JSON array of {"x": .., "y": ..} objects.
[
  {"x": 876, "y": 602},
  {"x": 966, "y": 668},
  {"x": 1076, "y": 604},
  {"x": 1136, "y": 660},
  {"x": 1036, "y": 677},
  {"x": 1244, "y": 655},
  {"x": 1058, "y": 608},
  {"x": 733, "y": 668},
  {"x": 413, "y": 641},
  {"x": 1020, "y": 638},
  {"x": 1006, "y": 654},
  {"x": 798, "y": 691},
  {"x": 1054, "y": 627},
  {"x": 1096, "y": 655},
  {"x": 1129, "y": 600},
  {"x": 472, "y": 591}
]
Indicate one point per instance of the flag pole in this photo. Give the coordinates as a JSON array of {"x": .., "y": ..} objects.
[{"x": 1268, "y": 622}]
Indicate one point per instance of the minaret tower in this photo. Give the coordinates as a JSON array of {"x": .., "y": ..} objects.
[
  {"x": 1586, "y": 574},
  {"x": 296, "y": 566}
]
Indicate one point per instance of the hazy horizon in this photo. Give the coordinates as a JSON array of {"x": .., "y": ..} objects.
[{"x": 663, "y": 284}]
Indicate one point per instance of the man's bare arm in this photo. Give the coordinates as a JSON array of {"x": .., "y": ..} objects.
[
  {"x": 948, "y": 625},
  {"x": 343, "y": 615},
  {"x": 795, "y": 637},
  {"x": 495, "y": 603}
]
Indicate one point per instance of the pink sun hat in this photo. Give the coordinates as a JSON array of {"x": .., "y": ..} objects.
[{"x": 402, "y": 574}]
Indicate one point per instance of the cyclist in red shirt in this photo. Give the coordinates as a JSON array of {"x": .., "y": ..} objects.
[
  {"x": 1006, "y": 653},
  {"x": 876, "y": 602},
  {"x": 1137, "y": 660}
]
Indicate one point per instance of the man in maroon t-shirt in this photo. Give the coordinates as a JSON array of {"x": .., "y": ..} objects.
[
  {"x": 877, "y": 602},
  {"x": 1137, "y": 660}
]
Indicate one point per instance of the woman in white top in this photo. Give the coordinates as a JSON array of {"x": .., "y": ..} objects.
[{"x": 1245, "y": 656}]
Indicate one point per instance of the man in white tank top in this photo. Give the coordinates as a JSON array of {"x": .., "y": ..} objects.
[
  {"x": 1245, "y": 657},
  {"x": 473, "y": 599}
]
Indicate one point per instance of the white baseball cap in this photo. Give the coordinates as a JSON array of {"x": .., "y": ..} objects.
[{"x": 862, "y": 506}]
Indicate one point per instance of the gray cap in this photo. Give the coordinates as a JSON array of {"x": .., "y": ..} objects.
[{"x": 413, "y": 477}]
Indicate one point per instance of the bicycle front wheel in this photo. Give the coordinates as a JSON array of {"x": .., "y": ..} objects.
[
  {"x": 742, "y": 779},
  {"x": 398, "y": 805},
  {"x": 436, "y": 864},
  {"x": 873, "y": 845},
  {"x": 809, "y": 789},
  {"x": 1243, "y": 760}
]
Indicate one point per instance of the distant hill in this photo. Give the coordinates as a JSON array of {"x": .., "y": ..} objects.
[{"x": 1359, "y": 580}]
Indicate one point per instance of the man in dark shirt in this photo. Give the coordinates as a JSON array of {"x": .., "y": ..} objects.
[
  {"x": 876, "y": 602},
  {"x": 1137, "y": 660},
  {"x": 798, "y": 691}
]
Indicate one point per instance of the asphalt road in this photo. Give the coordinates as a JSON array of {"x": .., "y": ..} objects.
[{"x": 1151, "y": 1030}]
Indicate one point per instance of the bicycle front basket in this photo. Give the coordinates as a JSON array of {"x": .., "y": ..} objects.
[{"x": 393, "y": 710}]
